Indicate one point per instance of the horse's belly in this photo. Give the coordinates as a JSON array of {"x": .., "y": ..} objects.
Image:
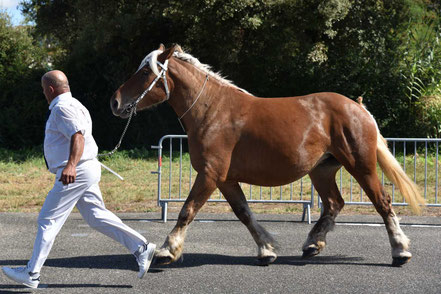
[
  {"x": 273, "y": 168},
  {"x": 270, "y": 178}
]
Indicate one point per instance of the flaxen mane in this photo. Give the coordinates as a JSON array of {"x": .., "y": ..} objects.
[
  {"x": 205, "y": 68},
  {"x": 181, "y": 55}
]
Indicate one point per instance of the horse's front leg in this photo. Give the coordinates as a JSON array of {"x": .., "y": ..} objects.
[
  {"x": 172, "y": 248},
  {"x": 266, "y": 245}
]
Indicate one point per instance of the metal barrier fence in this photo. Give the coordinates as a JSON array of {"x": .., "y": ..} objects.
[{"x": 175, "y": 177}]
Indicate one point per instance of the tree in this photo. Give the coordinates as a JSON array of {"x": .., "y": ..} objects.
[
  {"x": 271, "y": 48},
  {"x": 22, "y": 60}
]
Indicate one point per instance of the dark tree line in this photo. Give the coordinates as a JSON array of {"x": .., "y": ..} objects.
[{"x": 385, "y": 51}]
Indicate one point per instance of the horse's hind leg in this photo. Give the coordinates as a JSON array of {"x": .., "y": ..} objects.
[
  {"x": 382, "y": 202},
  {"x": 323, "y": 178},
  {"x": 363, "y": 168},
  {"x": 173, "y": 245},
  {"x": 265, "y": 242}
]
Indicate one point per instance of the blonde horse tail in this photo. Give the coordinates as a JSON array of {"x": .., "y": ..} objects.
[
  {"x": 394, "y": 172},
  {"x": 396, "y": 175}
]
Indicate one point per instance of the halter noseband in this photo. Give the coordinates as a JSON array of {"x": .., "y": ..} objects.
[{"x": 163, "y": 75}]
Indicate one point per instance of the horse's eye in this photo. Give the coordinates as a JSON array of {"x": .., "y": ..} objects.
[{"x": 145, "y": 72}]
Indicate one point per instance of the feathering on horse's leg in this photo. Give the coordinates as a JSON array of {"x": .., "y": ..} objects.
[
  {"x": 265, "y": 242},
  {"x": 173, "y": 246},
  {"x": 323, "y": 178}
]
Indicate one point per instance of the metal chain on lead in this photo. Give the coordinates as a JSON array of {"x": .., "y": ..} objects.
[{"x": 122, "y": 136}]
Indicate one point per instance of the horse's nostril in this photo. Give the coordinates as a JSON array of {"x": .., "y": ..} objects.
[{"x": 115, "y": 104}]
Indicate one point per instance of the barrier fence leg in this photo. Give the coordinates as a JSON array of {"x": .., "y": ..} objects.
[
  {"x": 309, "y": 213},
  {"x": 303, "y": 214},
  {"x": 164, "y": 211},
  {"x": 306, "y": 212}
]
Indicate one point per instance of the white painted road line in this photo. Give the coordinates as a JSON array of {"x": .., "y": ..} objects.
[
  {"x": 382, "y": 225},
  {"x": 80, "y": 235}
]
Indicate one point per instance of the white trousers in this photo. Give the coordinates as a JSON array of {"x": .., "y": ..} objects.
[{"x": 86, "y": 195}]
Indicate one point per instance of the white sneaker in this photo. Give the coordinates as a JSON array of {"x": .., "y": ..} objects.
[
  {"x": 22, "y": 276},
  {"x": 144, "y": 257}
]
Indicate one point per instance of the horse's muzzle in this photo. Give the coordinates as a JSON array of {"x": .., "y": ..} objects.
[{"x": 117, "y": 108}]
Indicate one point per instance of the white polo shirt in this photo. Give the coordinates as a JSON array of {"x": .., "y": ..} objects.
[{"x": 68, "y": 116}]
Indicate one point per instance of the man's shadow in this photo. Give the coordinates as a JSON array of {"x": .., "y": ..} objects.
[
  {"x": 58, "y": 286},
  {"x": 126, "y": 262}
]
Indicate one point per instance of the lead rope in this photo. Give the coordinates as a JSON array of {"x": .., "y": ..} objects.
[{"x": 116, "y": 147}]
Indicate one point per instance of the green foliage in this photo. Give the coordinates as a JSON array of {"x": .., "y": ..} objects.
[
  {"x": 271, "y": 48},
  {"x": 421, "y": 72},
  {"x": 18, "y": 51},
  {"x": 21, "y": 63},
  {"x": 24, "y": 154}
]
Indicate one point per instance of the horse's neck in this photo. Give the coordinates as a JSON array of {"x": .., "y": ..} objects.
[{"x": 196, "y": 99}]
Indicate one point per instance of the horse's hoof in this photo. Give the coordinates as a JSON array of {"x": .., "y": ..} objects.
[
  {"x": 310, "y": 252},
  {"x": 264, "y": 261},
  {"x": 162, "y": 260},
  {"x": 400, "y": 260}
]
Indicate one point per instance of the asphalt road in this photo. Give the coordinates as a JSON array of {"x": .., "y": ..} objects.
[{"x": 219, "y": 257}]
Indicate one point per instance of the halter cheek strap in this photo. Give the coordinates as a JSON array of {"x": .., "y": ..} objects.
[{"x": 163, "y": 75}]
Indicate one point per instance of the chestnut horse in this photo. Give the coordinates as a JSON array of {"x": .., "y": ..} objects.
[{"x": 235, "y": 137}]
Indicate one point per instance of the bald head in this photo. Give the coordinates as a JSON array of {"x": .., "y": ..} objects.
[{"x": 54, "y": 83}]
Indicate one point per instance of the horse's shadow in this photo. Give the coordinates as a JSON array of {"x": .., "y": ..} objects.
[
  {"x": 127, "y": 261},
  {"x": 198, "y": 259}
]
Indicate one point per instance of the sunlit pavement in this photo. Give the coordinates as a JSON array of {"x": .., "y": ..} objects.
[{"x": 219, "y": 257}]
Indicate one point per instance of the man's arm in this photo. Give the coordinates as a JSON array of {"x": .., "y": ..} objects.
[{"x": 69, "y": 173}]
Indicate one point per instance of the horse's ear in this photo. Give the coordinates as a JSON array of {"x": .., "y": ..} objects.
[
  {"x": 166, "y": 54},
  {"x": 161, "y": 47},
  {"x": 178, "y": 48}
]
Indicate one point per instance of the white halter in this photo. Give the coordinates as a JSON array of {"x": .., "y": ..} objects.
[{"x": 152, "y": 59}]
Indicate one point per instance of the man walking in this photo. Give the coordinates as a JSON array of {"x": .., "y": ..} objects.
[{"x": 70, "y": 152}]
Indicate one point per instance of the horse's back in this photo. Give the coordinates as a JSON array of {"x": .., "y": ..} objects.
[{"x": 318, "y": 114}]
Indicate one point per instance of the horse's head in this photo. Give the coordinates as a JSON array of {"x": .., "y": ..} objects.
[{"x": 147, "y": 87}]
